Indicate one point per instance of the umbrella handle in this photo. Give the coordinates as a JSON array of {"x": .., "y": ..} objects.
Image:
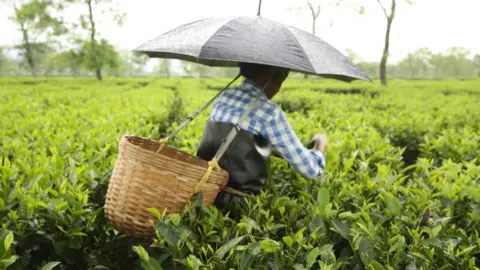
[{"x": 163, "y": 142}]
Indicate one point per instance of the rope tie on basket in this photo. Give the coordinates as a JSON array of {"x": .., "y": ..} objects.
[
  {"x": 212, "y": 165},
  {"x": 163, "y": 142}
]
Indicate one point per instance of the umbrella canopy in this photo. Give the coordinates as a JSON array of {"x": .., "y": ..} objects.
[{"x": 224, "y": 42}]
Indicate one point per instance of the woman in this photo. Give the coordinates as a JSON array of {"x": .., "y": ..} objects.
[{"x": 266, "y": 131}]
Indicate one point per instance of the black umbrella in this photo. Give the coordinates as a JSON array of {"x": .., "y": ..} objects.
[{"x": 224, "y": 42}]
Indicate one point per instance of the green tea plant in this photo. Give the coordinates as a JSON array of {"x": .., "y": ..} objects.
[{"x": 401, "y": 188}]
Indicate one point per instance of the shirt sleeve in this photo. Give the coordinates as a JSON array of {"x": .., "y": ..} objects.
[{"x": 308, "y": 162}]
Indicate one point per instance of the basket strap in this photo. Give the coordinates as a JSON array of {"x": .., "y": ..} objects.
[{"x": 163, "y": 142}]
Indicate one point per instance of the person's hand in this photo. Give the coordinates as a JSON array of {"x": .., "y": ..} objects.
[{"x": 320, "y": 142}]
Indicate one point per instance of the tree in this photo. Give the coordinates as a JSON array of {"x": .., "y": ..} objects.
[
  {"x": 353, "y": 56},
  {"x": 163, "y": 68},
  {"x": 98, "y": 55},
  {"x": 438, "y": 64},
  {"x": 476, "y": 60},
  {"x": 389, "y": 16},
  {"x": 476, "y": 63},
  {"x": 370, "y": 68},
  {"x": 3, "y": 59},
  {"x": 416, "y": 64},
  {"x": 7, "y": 65},
  {"x": 458, "y": 58},
  {"x": 139, "y": 60},
  {"x": 65, "y": 62},
  {"x": 35, "y": 21},
  {"x": 226, "y": 72},
  {"x": 194, "y": 69},
  {"x": 94, "y": 50}
]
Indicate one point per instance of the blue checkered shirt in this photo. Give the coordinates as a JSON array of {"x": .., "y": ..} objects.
[{"x": 270, "y": 122}]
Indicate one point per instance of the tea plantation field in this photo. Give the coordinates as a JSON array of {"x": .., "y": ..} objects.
[{"x": 401, "y": 188}]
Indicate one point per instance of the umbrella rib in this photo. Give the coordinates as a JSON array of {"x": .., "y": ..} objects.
[{"x": 299, "y": 45}]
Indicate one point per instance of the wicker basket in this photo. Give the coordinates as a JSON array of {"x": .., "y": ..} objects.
[{"x": 143, "y": 178}]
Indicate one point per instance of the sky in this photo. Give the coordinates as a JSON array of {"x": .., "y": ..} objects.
[{"x": 436, "y": 24}]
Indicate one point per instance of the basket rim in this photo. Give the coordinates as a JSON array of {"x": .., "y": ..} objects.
[{"x": 138, "y": 148}]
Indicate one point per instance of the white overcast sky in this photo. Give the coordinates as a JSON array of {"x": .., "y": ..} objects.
[{"x": 436, "y": 24}]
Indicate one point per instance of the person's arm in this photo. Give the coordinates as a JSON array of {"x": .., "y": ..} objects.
[
  {"x": 318, "y": 142},
  {"x": 308, "y": 162}
]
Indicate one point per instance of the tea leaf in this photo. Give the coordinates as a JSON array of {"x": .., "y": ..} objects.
[
  {"x": 298, "y": 266},
  {"x": 288, "y": 241},
  {"x": 312, "y": 256},
  {"x": 78, "y": 234},
  {"x": 8, "y": 241},
  {"x": 142, "y": 253},
  {"x": 155, "y": 212},
  {"x": 323, "y": 198},
  {"x": 327, "y": 255},
  {"x": 253, "y": 224},
  {"x": 350, "y": 215},
  {"x": 416, "y": 254},
  {"x": 248, "y": 257},
  {"x": 228, "y": 246},
  {"x": 342, "y": 229},
  {"x": 172, "y": 234},
  {"x": 50, "y": 265},
  {"x": 194, "y": 262},
  {"x": 393, "y": 204},
  {"x": 376, "y": 265},
  {"x": 366, "y": 251},
  {"x": 269, "y": 245},
  {"x": 277, "y": 227},
  {"x": 151, "y": 264},
  {"x": 8, "y": 261},
  {"x": 299, "y": 235},
  {"x": 466, "y": 251}
]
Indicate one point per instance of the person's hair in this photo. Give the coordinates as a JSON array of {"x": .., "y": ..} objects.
[{"x": 253, "y": 71}]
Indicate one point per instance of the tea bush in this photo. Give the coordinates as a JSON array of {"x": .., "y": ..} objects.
[{"x": 401, "y": 188}]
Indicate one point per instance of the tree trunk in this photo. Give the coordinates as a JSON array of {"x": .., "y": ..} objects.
[
  {"x": 98, "y": 71},
  {"x": 28, "y": 51},
  {"x": 383, "y": 62},
  {"x": 27, "y": 46}
]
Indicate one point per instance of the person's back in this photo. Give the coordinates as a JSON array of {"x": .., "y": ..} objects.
[
  {"x": 266, "y": 130},
  {"x": 246, "y": 160}
]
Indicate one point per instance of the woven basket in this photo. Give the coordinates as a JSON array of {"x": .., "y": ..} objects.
[{"x": 143, "y": 179}]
